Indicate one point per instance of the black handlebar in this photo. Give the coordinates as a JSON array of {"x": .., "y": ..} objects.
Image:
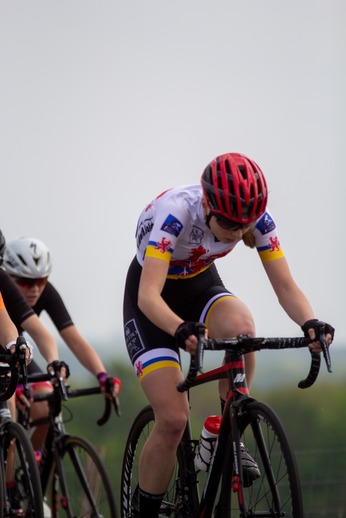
[
  {"x": 64, "y": 393},
  {"x": 108, "y": 403},
  {"x": 244, "y": 344}
]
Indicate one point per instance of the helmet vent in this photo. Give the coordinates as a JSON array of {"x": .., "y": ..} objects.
[
  {"x": 242, "y": 171},
  {"x": 22, "y": 259},
  {"x": 36, "y": 260}
]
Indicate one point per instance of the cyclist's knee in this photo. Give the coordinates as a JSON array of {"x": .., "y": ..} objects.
[
  {"x": 171, "y": 425},
  {"x": 40, "y": 409}
]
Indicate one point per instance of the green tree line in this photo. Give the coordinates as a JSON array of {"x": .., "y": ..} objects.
[{"x": 314, "y": 419}]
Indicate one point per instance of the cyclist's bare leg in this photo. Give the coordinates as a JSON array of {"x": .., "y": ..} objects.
[
  {"x": 171, "y": 411},
  {"x": 38, "y": 411},
  {"x": 230, "y": 318}
]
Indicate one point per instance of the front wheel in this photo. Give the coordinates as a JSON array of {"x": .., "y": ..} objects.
[
  {"x": 23, "y": 495},
  {"x": 83, "y": 488},
  {"x": 277, "y": 491}
]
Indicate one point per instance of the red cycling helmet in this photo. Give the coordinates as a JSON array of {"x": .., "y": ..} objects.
[{"x": 235, "y": 188}]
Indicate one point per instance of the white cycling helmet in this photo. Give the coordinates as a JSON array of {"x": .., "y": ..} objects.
[{"x": 27, "y": 257}]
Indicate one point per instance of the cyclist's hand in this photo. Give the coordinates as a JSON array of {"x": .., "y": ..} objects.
[
  {"x": 59, "y": 365},
  {"x": 102, "y": 377},
  {"x": 28, "y": 353},
  {"x": 21, "y": 401},
  {"x": 186, "y": 336},
  {"x": 312, "y": 329}
]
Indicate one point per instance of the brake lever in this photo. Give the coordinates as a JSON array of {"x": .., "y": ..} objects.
[
  {"x": 325, "y": 350},
  {"x": 61, "y": 384},
  {"x": 200, "y": 348},
  {"x": 316, "y": 362},
  {"x": 109, "y": 385},
  {"x": 116, "y": 404},
  {"x": 62, "y": 388},
  {"x": 21, "y": 348}
]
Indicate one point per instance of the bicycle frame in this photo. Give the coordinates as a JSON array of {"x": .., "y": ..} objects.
[
  {"x": 237, "y": 397},
  {"x": 54, "y": 444}
]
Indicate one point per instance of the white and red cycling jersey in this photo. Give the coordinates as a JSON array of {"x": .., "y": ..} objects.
[{"x": 173, "y": 228}]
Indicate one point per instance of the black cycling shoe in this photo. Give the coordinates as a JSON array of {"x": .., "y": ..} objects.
[{"x": 251, "y": 470}]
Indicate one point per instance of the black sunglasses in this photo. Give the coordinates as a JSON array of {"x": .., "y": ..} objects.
[
  {"x": 227, "y": 224},
  {"x": 24, "y": 282}
]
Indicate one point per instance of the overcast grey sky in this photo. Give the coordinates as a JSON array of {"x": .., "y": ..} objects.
[{"x": 105, "y": 104}]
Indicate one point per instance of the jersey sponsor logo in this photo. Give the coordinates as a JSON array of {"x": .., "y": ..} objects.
[
  {"x": 274, "y": 244},
  {"x": 196, "y": 236},
  {"x": 144, "y": 228},
  {"x": 172, "y": 226},
  {"x": 266, "y": 224},
  {"x": 133, "y": 339},
  {"x": 163, "y": 245}
]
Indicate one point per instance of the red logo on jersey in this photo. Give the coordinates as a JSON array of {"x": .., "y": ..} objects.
[
  {"x": 139, "y": 369},
  {"x": 274, "y": 243},
  {"x": 196, "y": 253},
  {"x": 163, "y": 245}
]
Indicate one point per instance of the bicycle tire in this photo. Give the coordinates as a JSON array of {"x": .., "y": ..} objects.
[
  {"x": 85, "y": 474},
  {"x": 177, "y": 499},
  {"x": 260, "y": 425},
  {"x": 21, "y": 467}
]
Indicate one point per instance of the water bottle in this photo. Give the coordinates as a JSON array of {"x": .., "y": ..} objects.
[{"x": 206, "y": 442}]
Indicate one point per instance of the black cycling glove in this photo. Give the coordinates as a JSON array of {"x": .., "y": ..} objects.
[
  {"x": 185, "y": 330},
  {"x": 56, "y": 364},
  {"x": 317, "y": 325}
]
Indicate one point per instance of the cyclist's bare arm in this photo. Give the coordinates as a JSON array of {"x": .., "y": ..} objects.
[
  {"x": 42, "y": 337},
  {"x": 291, "y": 298},
  {"x": 8, "y": 331},
  {"x": 150, "y": 302},
  {"x": 83, "y": 351}
]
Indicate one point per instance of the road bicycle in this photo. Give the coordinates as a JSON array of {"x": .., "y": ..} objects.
[
  {"x": 72, "y": 473},
  {"x": 20, "y": 487},
  {"x": 226, "y": 491}
]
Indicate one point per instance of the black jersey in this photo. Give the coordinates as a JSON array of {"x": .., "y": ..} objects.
[
  {"x": 51, "y": 302},
  {"x": 19, "y": 310}
]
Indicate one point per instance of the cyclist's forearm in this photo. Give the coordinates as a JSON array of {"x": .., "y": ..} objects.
[
  {"x": 8, "y": 331},
  {"x": 150, "y": 302},
  {"x": 296, "y": 306},
  {"x": 158, "y": 312},
  {"x": 291, "y": 298},
  {"x": 83, "y": 351},
  {"x": 44, "y": 340}
]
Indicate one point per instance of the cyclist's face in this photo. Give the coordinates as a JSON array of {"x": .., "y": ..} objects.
[
  {"x": 227, "y": 235},
  {"x": 31, "y": 293},
  {"x": 224, "y": 235}
]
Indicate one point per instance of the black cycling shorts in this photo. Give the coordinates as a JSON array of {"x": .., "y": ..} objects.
[{"x": 191, "y": 298}]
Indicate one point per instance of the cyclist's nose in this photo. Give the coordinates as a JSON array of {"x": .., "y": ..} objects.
[{"x": 236, "y": 234}]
